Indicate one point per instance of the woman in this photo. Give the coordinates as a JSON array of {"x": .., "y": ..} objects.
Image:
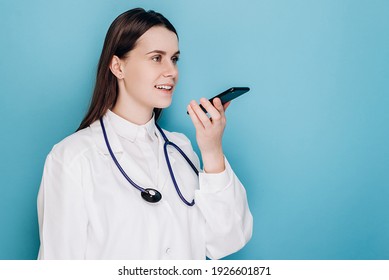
[{"x": 87, "y": 207}]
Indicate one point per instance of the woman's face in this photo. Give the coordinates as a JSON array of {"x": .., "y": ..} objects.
[{"x": 150, "y": 70}]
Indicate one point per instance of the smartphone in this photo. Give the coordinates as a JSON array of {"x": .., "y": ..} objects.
[{"x": 228, "y": 95}]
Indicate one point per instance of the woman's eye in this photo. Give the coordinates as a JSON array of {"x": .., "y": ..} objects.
[
  {"x": 175, "y": 59},
  {"x": 156, "y": 58}
]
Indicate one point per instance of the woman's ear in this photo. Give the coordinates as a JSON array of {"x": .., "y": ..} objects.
[{"x": 115, "y": 67}]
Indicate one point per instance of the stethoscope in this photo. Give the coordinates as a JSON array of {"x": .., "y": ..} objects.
[{"x": 152, "y": 195}]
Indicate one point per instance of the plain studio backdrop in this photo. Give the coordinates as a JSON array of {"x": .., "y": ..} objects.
[{"x": 310, "y": 141}]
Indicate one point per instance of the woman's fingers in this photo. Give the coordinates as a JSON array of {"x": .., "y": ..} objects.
[
  {"x": 209, "y": 128},
  {"x": 196, "y": 122},
  {"x": 225, "y": 106},
  {"x": 200, "y": 113},
  {"x": 220, "y": 107},
  {"x": 215, "y": 112}
]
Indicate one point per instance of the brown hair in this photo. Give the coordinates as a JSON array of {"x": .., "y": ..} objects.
[{"x": 121, "y": 38}]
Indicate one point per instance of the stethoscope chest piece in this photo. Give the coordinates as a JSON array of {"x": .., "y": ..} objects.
[{"x": 151, "y": 195}]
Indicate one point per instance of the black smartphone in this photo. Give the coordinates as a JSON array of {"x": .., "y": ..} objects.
[{"x": 228, "y": 95}]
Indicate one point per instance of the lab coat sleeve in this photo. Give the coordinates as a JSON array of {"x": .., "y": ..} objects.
[
  {"x": 61, "y": 212},
  {"x": 223, "y": 203}
]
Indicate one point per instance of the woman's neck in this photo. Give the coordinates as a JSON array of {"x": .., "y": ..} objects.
[{"x": 135, "y": 114}]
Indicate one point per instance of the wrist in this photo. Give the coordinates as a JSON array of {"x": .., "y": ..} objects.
[{"x": 213, "y": 162}]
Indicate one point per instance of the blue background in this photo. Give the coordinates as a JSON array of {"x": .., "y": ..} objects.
[{"x": 309, "y": 142}]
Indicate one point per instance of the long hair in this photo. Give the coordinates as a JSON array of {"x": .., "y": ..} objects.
[{"x": 121, "y": 38}]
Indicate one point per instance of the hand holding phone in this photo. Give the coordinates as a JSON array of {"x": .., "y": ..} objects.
[
  {"x": 228, "y": 95},
  {"x": 210, "y": 128}
]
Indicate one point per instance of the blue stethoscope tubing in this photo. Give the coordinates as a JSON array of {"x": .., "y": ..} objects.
[{"x": 152, "y": 195}]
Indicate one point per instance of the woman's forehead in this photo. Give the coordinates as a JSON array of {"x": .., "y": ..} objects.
[{"x": 160, "y": 38}]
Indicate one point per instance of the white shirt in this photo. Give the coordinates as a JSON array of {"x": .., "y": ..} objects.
[
  {"x": 139, "y": 141},
  {"x": 88, "y": 210}
]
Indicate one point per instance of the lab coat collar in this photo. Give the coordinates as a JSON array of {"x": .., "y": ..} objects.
[
  {"x": 129, "y": 130},
  {"x": 114, "y": 141},
  {"x": 126, "y": 162},
  {"x": 98, "y": 136}
]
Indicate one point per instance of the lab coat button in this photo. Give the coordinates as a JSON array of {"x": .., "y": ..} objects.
[{"x": 168, "y": 251}]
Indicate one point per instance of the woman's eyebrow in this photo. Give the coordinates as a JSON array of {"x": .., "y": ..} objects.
[{"x": 162, "y": 52}]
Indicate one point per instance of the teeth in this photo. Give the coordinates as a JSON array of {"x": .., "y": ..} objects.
[{"x": 163, "y": 87}]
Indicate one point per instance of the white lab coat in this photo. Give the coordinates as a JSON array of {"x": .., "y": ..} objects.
[{"x": 87, "y": 209}]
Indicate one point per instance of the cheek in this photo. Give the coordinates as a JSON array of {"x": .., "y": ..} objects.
[
  {"x": 145, "y": 76},
  {"x": 135, "y": 73}
]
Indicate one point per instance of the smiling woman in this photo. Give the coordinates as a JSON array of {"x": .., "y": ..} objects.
[
  {"x": 89, "y": 205},
  {"x": 146, "y": 79},
  {"x": 126, "y": 33}
]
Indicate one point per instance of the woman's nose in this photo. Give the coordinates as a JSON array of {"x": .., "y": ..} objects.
[{"x": 170, "y": 70}]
